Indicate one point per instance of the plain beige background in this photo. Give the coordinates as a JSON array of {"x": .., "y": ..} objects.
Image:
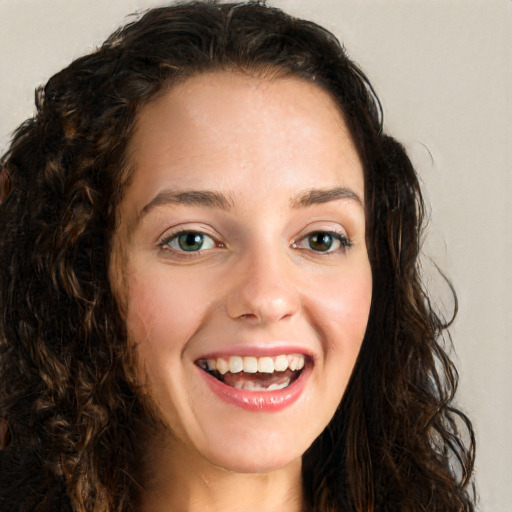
[{"x": 443, "y": 70}]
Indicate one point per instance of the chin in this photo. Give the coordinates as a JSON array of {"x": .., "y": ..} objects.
[
  {"x": 256, "y": 462},
  {"x": 262, "y": 448}
]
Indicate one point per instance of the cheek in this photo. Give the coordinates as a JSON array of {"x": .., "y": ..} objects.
[
  {"x": 343, "y": 308},
  {"x": 162, "y": 312},
  {"x": 340, "y": 314}
]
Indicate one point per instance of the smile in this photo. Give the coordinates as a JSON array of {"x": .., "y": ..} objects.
[
  {"x": 257, "y": 383},
  {"x": 255, "y": 373}
]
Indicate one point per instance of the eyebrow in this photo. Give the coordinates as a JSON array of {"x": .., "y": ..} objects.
[
  {"x": 212, "y": 199},
  {"x": 191, "y": 198},
  {"x": 319, "y": 196}
]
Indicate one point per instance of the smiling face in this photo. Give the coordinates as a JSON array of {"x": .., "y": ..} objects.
[{"x": 241, "y": 264}]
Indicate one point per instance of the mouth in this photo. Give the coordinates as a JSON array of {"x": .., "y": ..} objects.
[{"x": 255, "y": 373}]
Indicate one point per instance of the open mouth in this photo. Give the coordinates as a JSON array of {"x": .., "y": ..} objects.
[{"x": 255, "y": 373}]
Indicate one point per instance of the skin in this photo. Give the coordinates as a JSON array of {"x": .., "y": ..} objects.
[{"x": 263, "y": 143}]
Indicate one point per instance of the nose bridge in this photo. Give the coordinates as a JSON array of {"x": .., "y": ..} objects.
[{"x": 264, "y": 288}]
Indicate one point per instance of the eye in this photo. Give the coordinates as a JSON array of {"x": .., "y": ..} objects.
[
  {"x": 323, "y": 241},
  {"x": 190, "y": 241}
]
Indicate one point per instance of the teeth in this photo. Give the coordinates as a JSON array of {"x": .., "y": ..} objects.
[
  {"x": 222, "y": 366},
  {"x": 296, "y": 363},
  {"x": 250, "y": 364},
  {"x": 265, "y": 365},
  {"x": 275, "y": 387},
  {"x": 281, "y": 363},
  {"x": 235, "y": 364},
  {"x": 256, "y": 386}
]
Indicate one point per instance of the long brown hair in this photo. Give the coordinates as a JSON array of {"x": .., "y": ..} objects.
[{"x": 394, "y": 442}]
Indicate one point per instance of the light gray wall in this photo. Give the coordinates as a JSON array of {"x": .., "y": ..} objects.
[{"x": 443, "y": 70}]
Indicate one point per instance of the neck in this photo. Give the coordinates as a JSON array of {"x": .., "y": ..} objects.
[{"x": 173, "y": 479}]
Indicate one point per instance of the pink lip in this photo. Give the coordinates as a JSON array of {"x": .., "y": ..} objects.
[{"x": 258, "y": 401}]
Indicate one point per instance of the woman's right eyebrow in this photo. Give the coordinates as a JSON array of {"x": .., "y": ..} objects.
[{"x": 207, "y": 198}]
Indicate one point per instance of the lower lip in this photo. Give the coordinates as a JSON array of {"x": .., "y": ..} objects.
[{"x": 258, "y": 401}]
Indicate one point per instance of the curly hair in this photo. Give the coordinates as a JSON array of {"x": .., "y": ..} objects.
[{"x": 394, "y": 443}]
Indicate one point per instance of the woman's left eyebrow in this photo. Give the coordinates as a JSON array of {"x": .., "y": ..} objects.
[{"x": 319, "y": 196}]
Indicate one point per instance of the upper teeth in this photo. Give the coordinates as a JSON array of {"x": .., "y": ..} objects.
[{"x": 249, "y": 364}]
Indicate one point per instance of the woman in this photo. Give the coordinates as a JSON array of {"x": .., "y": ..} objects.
[{"x": 211, "y": 298}]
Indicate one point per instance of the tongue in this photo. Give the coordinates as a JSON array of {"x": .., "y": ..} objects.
[{"x": 259, "y": 379}]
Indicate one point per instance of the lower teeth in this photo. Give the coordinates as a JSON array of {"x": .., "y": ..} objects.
[
  {"x": 257, "y": 381},
  {"x": 256, "y": 386}
]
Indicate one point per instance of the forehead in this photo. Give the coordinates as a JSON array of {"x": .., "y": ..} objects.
[
  {"x": 226, "y": 105},
  {"x": 214, "y": 129}
]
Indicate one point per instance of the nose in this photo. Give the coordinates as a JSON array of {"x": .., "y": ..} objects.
[{"x": 263, "y": 290}]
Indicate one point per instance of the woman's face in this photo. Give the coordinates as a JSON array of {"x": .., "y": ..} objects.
[{"x": 241, "y": 264}]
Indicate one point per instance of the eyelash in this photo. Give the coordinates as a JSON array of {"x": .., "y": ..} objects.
[{"x": 343, "y": 241}]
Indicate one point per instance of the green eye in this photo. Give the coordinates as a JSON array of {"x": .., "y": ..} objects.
[{"x": 190, "y": 241}]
